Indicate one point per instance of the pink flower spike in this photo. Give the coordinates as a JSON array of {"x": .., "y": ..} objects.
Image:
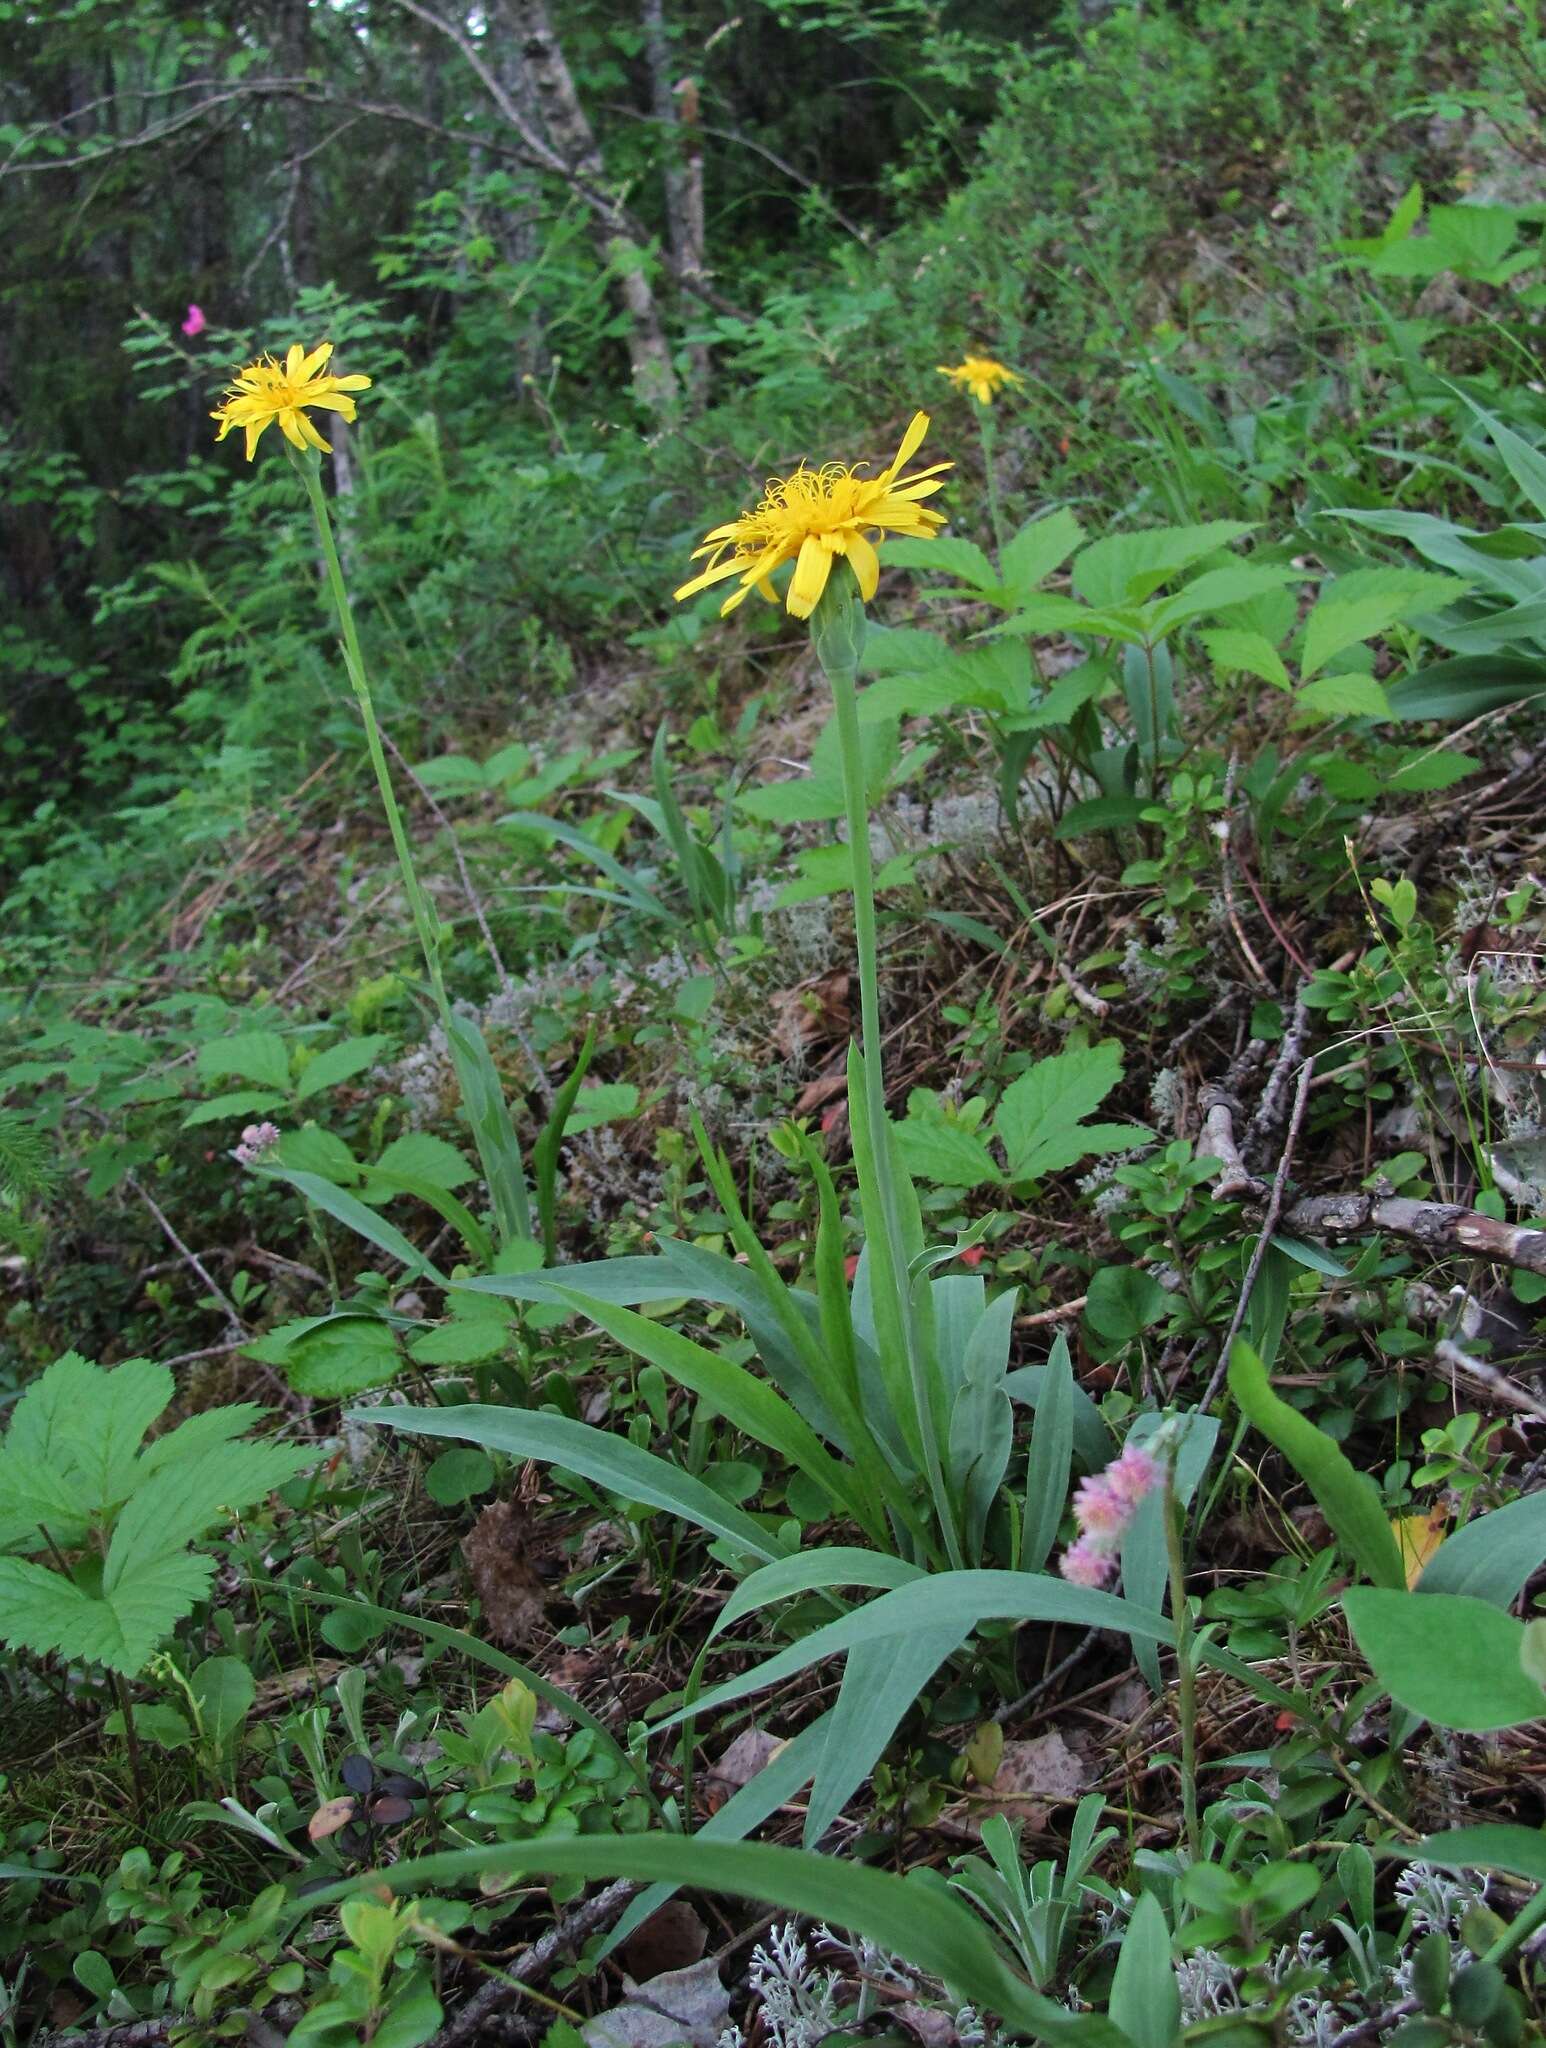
[
  {"x": 1099, "y": 1509},
  {"x": 1136, "y": 1473},
  {"x": 195, "y": 323},
  {"x": 1082, "y": 1565}
]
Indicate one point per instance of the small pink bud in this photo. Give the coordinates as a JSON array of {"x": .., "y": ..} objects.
[{"x": 195, "y": 323}]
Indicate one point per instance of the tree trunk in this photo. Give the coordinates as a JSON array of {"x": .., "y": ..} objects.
[
  {"x": 675, "y": 108},
  {"x": 573, "y": 140}
]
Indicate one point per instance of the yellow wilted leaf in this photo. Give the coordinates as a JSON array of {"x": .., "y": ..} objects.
[{"x": 1417, "y": 1538}]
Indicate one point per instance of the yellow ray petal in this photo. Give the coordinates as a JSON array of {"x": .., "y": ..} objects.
[{"x": 810, "y": 576}]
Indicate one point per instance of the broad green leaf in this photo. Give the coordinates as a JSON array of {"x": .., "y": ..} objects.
[
  {"x": 259, "y": 1056},
  {"x": 912, "y": 1918},
  {"x": 1232, "y": 651},
  {"x": 1493, "y": 1555},
  {"x": 1038, "y": 1118},
  {"x": 881, "y": 1682},
  {"x": 1454, "y": 1660},
  {"x": 603, "y": 1102},
  {"x": 941, "y": 1150},
  {"x": 339, "y": 1063},
  {"x": 313, "y": 1150},
  {"x": 1100, "y": 814},
  {"x": 609, "y": 1461},
  {"x": 962, "y": 558},
  {"x": 1217, "y": 591},
  {"x": 73, "y": 1441},
  {"x": 245, "y": 1102},
  {"x": 1126, "y": 568},
  {"x": 421, "y": 1156},
  {"x": 1145, "y": 2000},
  {"x": 995, "y": 676},
  {"x": 942, "y": 1599},
  {"x": 814, "y": 1571},
  {"x": 1348, "y": 1498},
  {"x": 42, "y": 1611},
  {"x": 1426, "y": 772},
  {"x": 1366, "y": 602},
  {"x": 347, "y": 1355},
  {"x": 457, "y": 1475},
  {"x": 1349, "y": 696},
  {"x": 1038, "y": 548},
  {"x": 1083, "y": 685},
  {"x": 225, "y": 1690},
  {"x": 1518, "y": 1851},
  {"x": 1460, "y": 690},
  {"x": 1122, "y": 1302}
]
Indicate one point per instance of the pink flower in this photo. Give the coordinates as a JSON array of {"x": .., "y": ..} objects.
[
  {"x": 195, "y": 322},
  {"x": 1104, "y": 1505},
  {"x": 1083, "y": 1565},
  {"x": 256, "y": 1140},
  {"x": 1099, "y": 1509},
  {"x": 1134, "y": 1474}
]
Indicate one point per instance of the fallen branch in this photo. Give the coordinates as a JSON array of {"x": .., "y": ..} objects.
[
  {"x": 1438, "y": 1227},
  {"x": 471, "y": 2020}
]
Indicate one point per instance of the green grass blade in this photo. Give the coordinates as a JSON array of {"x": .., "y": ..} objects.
[
  {"x": 499, "y": 1152},
  {"x": 747, "y": 1403},
  {"x": 881, "y": 1680},
  {"x": 917, "y": 1920},
  {"x": 544, "y": 1157},
  {"x": 1347, "y": 1498},
  {"x": 609, "y": 1461},
  {"x": 1047, "y": 1468}
]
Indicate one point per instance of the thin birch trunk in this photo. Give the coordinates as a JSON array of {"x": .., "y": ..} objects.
[
  {"x": 675, "y": 108},
  {"x": 569, "y": 131}
]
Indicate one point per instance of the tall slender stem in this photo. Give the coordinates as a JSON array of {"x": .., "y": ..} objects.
[
  {"x": 423, "y": 916},
  {"x": 837, "y": 630},
  {"x": 131, "y": 1736},
  {"x": 1186, "y": 1665},
  {"x": 990, "y": 468}
]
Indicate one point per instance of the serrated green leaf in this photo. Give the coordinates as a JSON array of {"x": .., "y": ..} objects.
[
  {"x": 1366, "y": 602},
  {"x": 259, "y": 1056},
  {"x": 245, "y": 1102},
  {"x": 1126, "y": 568},
  {"x": 955, "y": 557},
  {"x": 420, "y": 1155},
  {"x": 1232, "y": 650},
  {"x": 1039, "y": 1119},
  {"x": 941, "y": 1150},
  {"x": 1349, "y": 696},
  {"x": 343, "y": 1356},
  {"x": 1040, "y": 547},
  {"x": 340, "y": 1063}
]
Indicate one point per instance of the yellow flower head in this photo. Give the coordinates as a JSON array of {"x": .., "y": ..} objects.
[
  {"x": 812, "y": 517},
  {"x": 267, "y": 390},
  {"x": 979, "y": 375}
]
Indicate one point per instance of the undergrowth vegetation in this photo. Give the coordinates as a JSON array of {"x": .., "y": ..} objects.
[{"x": 772, "y": 1102}]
